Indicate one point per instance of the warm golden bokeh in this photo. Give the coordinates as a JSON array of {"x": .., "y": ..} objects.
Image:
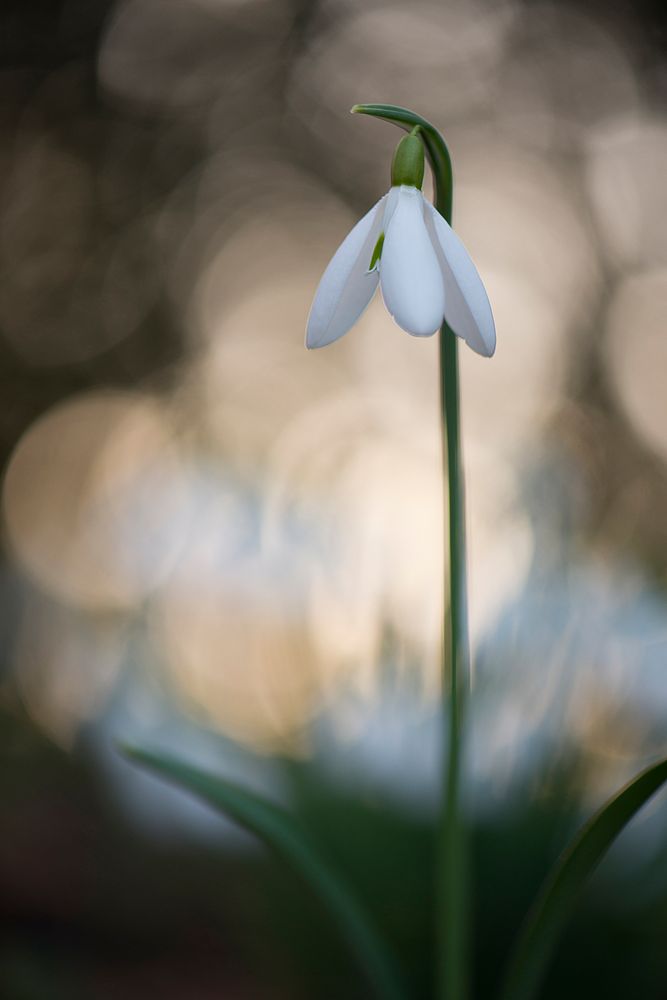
[{"x": 270, "y": 519}]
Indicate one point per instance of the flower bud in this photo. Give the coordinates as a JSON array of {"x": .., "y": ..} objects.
[{"x": 407, "y": 167}]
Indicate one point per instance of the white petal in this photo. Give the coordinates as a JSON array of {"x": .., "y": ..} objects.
[
  {"x": 467, "y": 308},
  {"x": 410, "y": 274},
  {"x": 346, "y": 286}
]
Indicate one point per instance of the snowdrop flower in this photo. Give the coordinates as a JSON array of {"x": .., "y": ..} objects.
[{"x": 424, "y": 271}]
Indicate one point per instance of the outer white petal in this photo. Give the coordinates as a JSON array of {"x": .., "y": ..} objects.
[
  {"x": 410, "y": 274},
  {"x": 346, "y": 286},
  {"x": 467, "y": 308}
]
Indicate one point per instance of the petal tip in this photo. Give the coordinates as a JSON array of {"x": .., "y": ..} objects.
[
  {"x": 484, "y": 351},
  {"x": 421, "y": 332},
  {"x": 311, "y": 342},
  {"x": 485, "y": 348}
]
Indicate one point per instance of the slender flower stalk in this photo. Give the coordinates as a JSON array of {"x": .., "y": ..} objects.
[
  {"x": 428, "y": 281},
  {"x": 452, "y": 929},
  {"x": 453, "y": 905}
]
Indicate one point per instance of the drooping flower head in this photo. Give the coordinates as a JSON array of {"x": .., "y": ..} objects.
[{"x": 425, "y": 273}]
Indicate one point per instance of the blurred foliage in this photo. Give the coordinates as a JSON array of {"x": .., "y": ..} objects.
[{"x": 93, "y": 909}]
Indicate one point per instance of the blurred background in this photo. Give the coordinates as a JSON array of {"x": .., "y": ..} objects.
[{"x": 218, "y": 543}]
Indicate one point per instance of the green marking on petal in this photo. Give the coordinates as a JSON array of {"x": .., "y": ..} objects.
[{"x": 377, "y": 253}]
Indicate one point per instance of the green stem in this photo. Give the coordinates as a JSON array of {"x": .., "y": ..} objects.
[
  {"x": 452, "y": 879},
  {"x": 453, "y": 882}
]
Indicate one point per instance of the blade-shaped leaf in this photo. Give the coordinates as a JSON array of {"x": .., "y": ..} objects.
[
  {"x": 559, "y": 894},
  {"x": 278, "y": 830}
]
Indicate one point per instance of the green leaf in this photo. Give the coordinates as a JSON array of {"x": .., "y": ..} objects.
[
  {"x": 281, "y": 833},
  {"x": 559, "y": 893}
]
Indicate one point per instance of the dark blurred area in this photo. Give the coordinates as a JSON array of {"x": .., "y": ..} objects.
[{"x": 217, "y": 543}]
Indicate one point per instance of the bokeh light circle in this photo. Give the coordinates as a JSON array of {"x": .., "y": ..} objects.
[
  {"x": 637, "y": 354},
  {"x": 93, "y": 499}
]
